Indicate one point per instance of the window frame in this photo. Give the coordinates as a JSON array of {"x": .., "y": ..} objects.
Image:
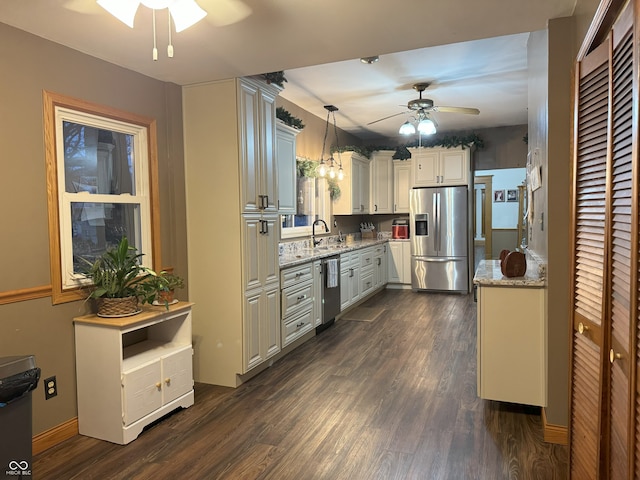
[{"x": 58, "y": 108}]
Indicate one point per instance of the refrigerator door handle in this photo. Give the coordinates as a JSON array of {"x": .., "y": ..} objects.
[
  {"x": 435, "y": 222},
  {"x": 438, "y": 222}
]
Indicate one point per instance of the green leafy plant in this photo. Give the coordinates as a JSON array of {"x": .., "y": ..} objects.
[
  {"x": 172, "y": 280},
  {"x": 118, "y": 273},
  {"x": 288, "y": 119},
  {"x": 307, "y": 168},
  {"x": 334, "y": 188},
  {"x": 276, "y": 78}
]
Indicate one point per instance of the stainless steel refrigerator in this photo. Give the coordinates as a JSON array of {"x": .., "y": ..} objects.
[{"x": 439, "y": 239}]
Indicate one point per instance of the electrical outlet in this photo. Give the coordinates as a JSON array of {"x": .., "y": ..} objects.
[{"x": 50, "y": 387}]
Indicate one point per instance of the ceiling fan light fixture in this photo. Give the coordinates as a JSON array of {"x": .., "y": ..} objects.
[
  {"x": 407, "y": 128},
  {"x": 185, "y": 13},
  {"x": 426, "y": 126},
  {"x": 123, "y": 10}
]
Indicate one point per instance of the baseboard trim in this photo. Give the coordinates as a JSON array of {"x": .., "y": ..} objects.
[
  {"x": 52, "y": 437},
  {"x": 554, "y": 433}
]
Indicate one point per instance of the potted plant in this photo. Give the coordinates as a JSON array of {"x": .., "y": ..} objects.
[
  {"x": 171, "y": 283},
  {"x": 120, "y": 281}
]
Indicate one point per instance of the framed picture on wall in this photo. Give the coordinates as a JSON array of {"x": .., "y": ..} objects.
[
  {"x": 512, "y": 195},
  {"x": 498, "y": 195}
]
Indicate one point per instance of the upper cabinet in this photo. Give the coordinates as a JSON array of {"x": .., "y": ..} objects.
[
  {"x": 432, "y": 167},
  {"x": 401, "y": 185},
  {"x": 256, "y": 123},
  {"x": 382, "y": 182},
  {"x": 286, "y": 167},
  {"x": 354, "y": 189}
]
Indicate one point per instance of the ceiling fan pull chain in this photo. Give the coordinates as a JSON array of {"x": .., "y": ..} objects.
[
  {"x": 155, "y": 49},
  {"x": 170, "y": 46}
]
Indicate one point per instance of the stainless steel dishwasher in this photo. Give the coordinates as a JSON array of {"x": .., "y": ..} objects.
[{"x": 330, "y": 291}]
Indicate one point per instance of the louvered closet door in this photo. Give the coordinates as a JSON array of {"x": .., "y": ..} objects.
[
  {"x": 620, "y": 296},
  {"x": 589, "y": 262}
]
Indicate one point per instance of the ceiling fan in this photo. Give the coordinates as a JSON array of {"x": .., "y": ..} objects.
[{"x": 424, "y": 106}]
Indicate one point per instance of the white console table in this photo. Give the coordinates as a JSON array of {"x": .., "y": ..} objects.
[{"x": 132, "y": 370}]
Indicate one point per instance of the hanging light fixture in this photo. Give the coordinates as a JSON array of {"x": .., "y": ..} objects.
[
  {"x": 184, "y": 13},
  {"x": 329, "y": 167},
  {"x": 425, "y": 125}
]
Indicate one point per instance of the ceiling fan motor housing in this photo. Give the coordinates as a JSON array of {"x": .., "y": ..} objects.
[{"x": 420, "y": 103}]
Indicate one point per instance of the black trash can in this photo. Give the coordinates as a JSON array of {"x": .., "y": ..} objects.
[{"x": 18, "y": 377}]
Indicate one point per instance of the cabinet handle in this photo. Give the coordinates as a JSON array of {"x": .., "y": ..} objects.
[
  {"x": 375, "y": 207},
  {"x": 167, "y": 381},
  {"x": 351, "y": 272},
  {"x": 266, "y": 227},
  {"x": 301, "y": 297},
  {"x": 379, "y": 261},
  {"x": 419, "y": 166},
  {"x": 301, "y": 324},
  {"x": 298, "y": 275},
  {"x": 613, "y": 356},
  {"x": 368, "y": 284},
  {"x": 266, "y": 201},
  {"x": 159, "y": 385},
  {"x": 582, "y": 328}
]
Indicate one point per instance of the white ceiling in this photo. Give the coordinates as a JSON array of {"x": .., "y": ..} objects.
[{"x": 478, "y": 57}]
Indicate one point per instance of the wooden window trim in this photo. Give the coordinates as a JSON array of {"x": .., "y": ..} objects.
[{"x": 50, "y": 102}]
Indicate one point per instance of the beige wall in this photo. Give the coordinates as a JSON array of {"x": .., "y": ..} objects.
[{"x": 31, "y": 65}]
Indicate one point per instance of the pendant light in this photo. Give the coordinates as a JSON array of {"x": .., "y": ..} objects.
[{"x": 329, "y": 167}]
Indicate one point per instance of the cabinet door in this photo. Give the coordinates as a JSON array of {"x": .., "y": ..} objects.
[
  {"x": 268, "y": 174},
  {"x": 252, "y": 238},
  {"x": 381, "y": 183},
  {"x": 286, "y": 168},
  {"x": 345, "y": 281},
  {"x": 356, "y": 187},
  {"x": 365, "y": 173},
  {"x": 454, "y": 166},
  {"x": 252, "y": 313},
  {"x": 425, "y": 168},
  {"x": 401, "y": 186},
  {"x": 406, "y": 263},
  {"x": 141, "y": 392},
  {"x": 177, "y": 374},
  {"x": 354, "y": 282},
  {"x": 269, "y": 249},
  {"x": 270, "y": 323},
  {"x": 395, "y": 267},
  {"x": 250, "y": 151}
]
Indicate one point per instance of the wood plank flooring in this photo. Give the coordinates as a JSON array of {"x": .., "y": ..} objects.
[{"x": 390, "y": 399}]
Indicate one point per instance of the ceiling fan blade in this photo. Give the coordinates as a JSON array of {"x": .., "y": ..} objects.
[
  {"x": 390, "y": 116},
  {"x": 82, "y": 6},
  {"x": 225, "y": 12},
  {"x": 467, "y": 110}
]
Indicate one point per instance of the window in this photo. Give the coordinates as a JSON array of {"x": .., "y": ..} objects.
[
  {"x": 312, "y": 200},
  {"x": 102, "y": 179}
]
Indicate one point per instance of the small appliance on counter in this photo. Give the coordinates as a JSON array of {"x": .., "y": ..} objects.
[{"x": 400, "y": 228}]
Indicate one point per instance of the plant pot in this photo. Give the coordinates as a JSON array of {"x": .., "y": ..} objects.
[
  {"x": 117, "y": 307},
  {"x": 165, "y": 296}
]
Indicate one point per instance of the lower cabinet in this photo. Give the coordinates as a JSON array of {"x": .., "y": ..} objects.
[
  {"x": 399, "y": 262},
  {"x": 350, "y": 287},
  {"x": 511, "y": 344},
  {"x": 131, "y": 371},
  {"x": 298, "y": 301},
  {"x": 262, "y": 325},
  {"x": 380, "y": 265},
  {"x": 317, "y": 292}
]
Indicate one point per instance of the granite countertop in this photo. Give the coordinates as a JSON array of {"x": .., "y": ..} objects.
[
  {"x": 290, "y": 259},
  {"x": 489, "y": 274}
]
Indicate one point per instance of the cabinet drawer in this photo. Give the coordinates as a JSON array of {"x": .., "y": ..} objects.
[
  {"x": 296, "y": 299},
  {"x": 296, "y": 275},
  {"x": 367, "y": 281},
  {"x": 366, "y": 257},
  {"x": 297, "y": 326}
]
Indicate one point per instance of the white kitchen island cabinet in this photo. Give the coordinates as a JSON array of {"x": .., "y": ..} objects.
[
  {"x": 132, "y": 370},
  {"x": 511, "y": 336}
]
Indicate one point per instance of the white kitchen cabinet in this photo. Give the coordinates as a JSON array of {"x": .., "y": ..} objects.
[
  {"x": 367, "y": 272},
  {"x": 380, "y": 265},
  {"x": 354, "y": 189},
  {"x": 298, "y": 301},
  {"x": 399, "y": 266},
  {"x": 401, "y": 185},
  {"x": 381, "y": 182},
  {"x": 286, "y": 167},
  {"x": 511, "y": 344},
  {"x": 257, "y": 146},
  {"x": 133, "y": 370},
  {"x": 432, "y": 167},
  {"x": 232, "y": 223},
  {"x": 349, "y": 279}
]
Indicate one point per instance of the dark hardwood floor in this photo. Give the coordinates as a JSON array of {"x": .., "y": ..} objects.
[{"x": 390, "y": 399}]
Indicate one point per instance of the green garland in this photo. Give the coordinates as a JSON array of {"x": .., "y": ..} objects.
[
  {"x": 334, "y": 188},
  {"x": 277, "y": 78},
  {"x": 306, "y": 168},
  {"x": 288, "y": 119}
]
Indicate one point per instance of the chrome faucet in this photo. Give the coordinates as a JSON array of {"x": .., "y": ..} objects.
[{"x": 313, "y": 231}]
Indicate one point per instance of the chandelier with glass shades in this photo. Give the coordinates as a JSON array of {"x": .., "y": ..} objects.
[
  {"x": 328, "y": 168},
  {"x": 184, "y": 13},
  {"x": 423, "y": 124}
]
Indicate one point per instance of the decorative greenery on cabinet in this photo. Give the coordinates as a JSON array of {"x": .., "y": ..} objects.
[{"x": 288, "y": 119}]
